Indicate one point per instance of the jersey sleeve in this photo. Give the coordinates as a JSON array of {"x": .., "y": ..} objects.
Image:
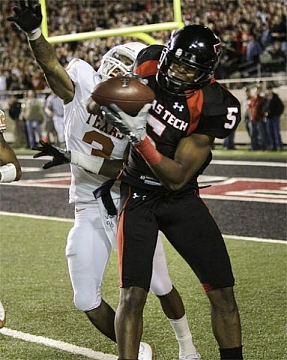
[
  {"x": 77, "y": 68},
  {"x": 220, "y": 114}
]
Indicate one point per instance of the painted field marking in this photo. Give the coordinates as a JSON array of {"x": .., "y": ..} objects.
[
  {"x": 73, "y": 349},
  {"x": 217, "y": 187},
  {"x": 215, "y": 162},
  {"x": 232, "y": 237},
  {"x": 245, "y": 189},
  {"x": 249, "y": 163}
]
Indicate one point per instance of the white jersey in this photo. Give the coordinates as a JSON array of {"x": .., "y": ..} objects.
[
  {"x": 90, "y": 240},
  {"x": 87, "y": 133}
]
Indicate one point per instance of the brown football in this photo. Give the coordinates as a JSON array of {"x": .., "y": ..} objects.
[{"x": 126, "y": 92}]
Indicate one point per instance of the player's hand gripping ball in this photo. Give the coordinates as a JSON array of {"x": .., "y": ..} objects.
[{"x": 127, "y": 92}]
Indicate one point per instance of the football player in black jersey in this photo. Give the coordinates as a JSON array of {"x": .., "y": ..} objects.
[{"x": 171, "y": 146}]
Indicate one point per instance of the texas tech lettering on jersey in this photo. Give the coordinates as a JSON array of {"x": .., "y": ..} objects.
[{"x": 168, "y": 117}]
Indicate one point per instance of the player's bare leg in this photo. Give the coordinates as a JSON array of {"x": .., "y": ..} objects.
[
  {"x": 103, "y": 318},
  {"x": 129, "y": 321},
  {"x": 226, "y": 321},
  {"x": 172, "y": 304}
]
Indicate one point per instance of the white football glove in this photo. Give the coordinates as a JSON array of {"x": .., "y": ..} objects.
[{"x": 134, "y": 127}]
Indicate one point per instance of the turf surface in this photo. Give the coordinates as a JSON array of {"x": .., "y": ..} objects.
[{"x": 37, "y": 295}]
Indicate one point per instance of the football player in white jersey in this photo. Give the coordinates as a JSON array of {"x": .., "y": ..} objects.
[{"x": 89, "y": 137}]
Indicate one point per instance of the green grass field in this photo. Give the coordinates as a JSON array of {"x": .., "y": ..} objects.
[{"x": 37, "y": 295}]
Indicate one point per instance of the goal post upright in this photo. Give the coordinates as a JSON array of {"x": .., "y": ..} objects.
[{"x": 140, "y": 31}]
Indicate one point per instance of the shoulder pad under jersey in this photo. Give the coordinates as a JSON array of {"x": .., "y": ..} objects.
[{"x": 220, "y": 113}]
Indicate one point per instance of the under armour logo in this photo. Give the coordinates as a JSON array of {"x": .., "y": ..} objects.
[
  {"x": 177, "y": 106},
  {"x": 135, "y": 195}
]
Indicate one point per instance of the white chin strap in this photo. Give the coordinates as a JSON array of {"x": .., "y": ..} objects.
[{"x": 8, "y": 173}]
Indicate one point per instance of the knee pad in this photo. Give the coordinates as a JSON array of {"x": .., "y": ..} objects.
[
  {"x": 88, "y": 300},
  {"x": 160, "y": 282}
]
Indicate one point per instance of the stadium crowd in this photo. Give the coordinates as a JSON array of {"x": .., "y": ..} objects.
[{"x": 253, "y": 34}]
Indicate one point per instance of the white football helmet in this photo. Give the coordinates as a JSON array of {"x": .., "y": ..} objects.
[{"x": 119, "y": 59}]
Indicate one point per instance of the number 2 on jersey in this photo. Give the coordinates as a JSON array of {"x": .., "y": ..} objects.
[{"x": 104, "y": 141}]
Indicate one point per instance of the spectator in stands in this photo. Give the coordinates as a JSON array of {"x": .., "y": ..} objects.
[
  {"x": 34, "y": 116},
  {"x": 278, "y": 27},
  {"x": 246, "y": 111},
  {"x": 265, "y": 37},
  {"x": 258, "y": 129},
  {"x": 55, "y": 110},
  {"x": 20, "y": 139},
  {"x": 239, "y": 17},
  {"x": 228, "y": 142},
  {"x": 273, "y": 109},
  {"x": 51, "y": 132},
  {"x": 253, "y": 50}
]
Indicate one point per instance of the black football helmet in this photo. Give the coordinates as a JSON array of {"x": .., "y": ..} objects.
[{"x": 196, "y": 47}]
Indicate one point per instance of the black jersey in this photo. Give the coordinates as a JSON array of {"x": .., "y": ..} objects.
[{"x": 212, "y": 110}]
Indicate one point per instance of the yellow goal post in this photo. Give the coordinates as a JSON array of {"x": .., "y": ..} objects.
[{"x": 140, "y": 31}]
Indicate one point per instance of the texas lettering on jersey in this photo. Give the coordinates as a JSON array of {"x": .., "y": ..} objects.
[{"x": 98, "y": 122}]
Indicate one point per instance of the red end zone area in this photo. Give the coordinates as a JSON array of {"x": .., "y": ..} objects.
[
  {"x": 237, "y": 189},
  {"x": 244, "y": 189}
]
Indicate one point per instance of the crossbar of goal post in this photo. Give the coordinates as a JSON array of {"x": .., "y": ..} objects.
[{"x": 139, "y": 32}]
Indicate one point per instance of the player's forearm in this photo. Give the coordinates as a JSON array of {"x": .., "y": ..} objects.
[
  {"x": 175, "y": 173},
  {"x": 56, "y": 76},
  {"x": 96, "y": 164}
]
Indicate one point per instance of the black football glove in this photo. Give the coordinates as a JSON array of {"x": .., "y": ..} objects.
[
  {"x": 134, "y": 127},
  {"x": 60, "y": 156},
  {"x": 27, "y": 17}
]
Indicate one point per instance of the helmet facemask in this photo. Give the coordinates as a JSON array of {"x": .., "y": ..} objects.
[
  {"x": 114, "y": 65},
  {"x": 119, "y": 60},
  {"x": 195, "y": 50}
]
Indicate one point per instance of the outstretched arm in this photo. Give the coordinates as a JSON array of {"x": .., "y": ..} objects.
[
  {"x": 29, "y": 18},
  {"x": 93, "y": 164}
]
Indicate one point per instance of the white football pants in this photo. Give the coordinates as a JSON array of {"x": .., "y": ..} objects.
[{"x": 88, "y": 250}]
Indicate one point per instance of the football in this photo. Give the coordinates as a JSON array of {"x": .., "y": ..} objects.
[{"x": 128, "y": 93}]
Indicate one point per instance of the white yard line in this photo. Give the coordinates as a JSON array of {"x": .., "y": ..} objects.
[
  {"x": 249, "y": 163},
  {"x": 73, "y": 349},
  {"x": 214, "y": 162},
  {"x": 234, "y": 237}
]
